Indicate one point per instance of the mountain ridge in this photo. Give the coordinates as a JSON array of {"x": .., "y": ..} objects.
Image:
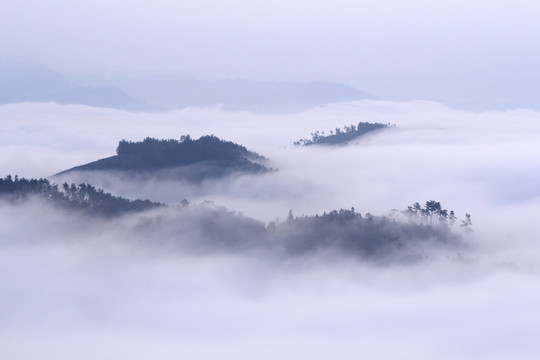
[
  {"x": 35, "y": 83},
  {"x": 188, "y": 159}
]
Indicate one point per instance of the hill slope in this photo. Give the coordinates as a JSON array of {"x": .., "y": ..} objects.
[
  {"x": 342, "y": 137},
  {"x": 70, "y": 197},
  {"x": 188, "y": 159}
]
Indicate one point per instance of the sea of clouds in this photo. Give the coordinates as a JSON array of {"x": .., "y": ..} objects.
[{"x": 73, "y": 287}]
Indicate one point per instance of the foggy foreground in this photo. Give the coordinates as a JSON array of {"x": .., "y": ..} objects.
[{"x": 74, "y": 286}]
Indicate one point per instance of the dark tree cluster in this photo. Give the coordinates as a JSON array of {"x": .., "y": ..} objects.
[
  {"x": 433, "y": 214},
  {"x": 186, "y": 150},
  {"x": 75, "y": 197},
  {"x": 211, "y": 228},
  {"x": 369, "y": 237},
  {"x": 341, "y": 136},
  {"x": 380, "y": 239},
  {"x": 205, "y": 157},
  {"x": 373, "y": 237}
]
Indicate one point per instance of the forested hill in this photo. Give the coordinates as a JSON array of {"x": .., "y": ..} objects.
[
  {"x": 341, "y": 136},
  {"x": 404, "y": 236},
  {"x": 207, "y": 156},
  {"x": 72, "y": 197}
]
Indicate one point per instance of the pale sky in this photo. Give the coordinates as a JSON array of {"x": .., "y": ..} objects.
[{"x": 457, "y": 51}]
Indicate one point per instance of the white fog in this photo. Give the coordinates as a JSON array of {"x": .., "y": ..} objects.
[
  {"x": 316, "y": 252},
  {"x": 98, "y": 288}
]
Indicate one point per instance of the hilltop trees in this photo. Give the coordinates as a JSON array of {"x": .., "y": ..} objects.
[
  {"x": 466, "y": 224},
  {"x": 370, "y": 237},
  {"x": 184, "y": 159},
  {"x": 340, "y": 136},
  {"x": 433, "y": 214},
  {"x": 70, "y": 196},
  {"x": 153, "y": 152}
]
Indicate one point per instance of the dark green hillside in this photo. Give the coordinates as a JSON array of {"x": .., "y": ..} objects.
[{"x": 206, "y": 157}]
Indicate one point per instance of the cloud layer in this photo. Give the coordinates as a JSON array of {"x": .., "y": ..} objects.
[{"x": 73, "y": 286}]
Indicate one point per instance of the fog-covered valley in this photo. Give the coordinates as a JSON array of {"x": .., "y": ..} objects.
[
  {"x": 154, "y": 285},
  {"x": 205, "y": 179}
]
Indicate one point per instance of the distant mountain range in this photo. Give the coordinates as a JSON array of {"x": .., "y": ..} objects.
[
  {"x": 174, "y": 92},
  {"x": 45, "y": 85},
  {"x": 167, "y": 92}
]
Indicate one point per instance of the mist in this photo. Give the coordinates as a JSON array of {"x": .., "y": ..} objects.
[
  {"x": 147, "y": 286},
  {"x": 98, "y": 293},
  {"x": 469, "y": 161},
  {"x": 478, "y": 56},
  {"x": 216, "y": 276}
]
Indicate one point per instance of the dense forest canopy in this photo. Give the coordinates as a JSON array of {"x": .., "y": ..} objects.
[
  {"x": 186, "y": 150},
  {"x": 341, "y": 136},
  {"x": 74, "y": 197},
  {"x": 206, "y": 157},
  {"x": 371, "y": 236}
]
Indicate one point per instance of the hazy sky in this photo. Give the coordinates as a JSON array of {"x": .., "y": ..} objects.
[{"x": 459, "y": 51}]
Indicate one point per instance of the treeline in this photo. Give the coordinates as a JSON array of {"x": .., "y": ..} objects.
[
  {"x": 366, "y": 235},
  {"x": 186, "y": 150},
  {"x": 70, "y": 196},
  {"x": 433, "y": 214},
  {"x": 154, "y": 153},
  {"x": 369, "y": 237},
  {"x": 407, "y": 235},
  {"x": 192, "y": 160},
  {"x": 341, "y": 136}
]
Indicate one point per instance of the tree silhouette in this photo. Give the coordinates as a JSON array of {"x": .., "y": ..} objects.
[
  {"x": 214, "y": 157},
  {"x": 466, "y": 224},
  {"x": 340, "y": 136},
  {"x": 70, "y": 196}
]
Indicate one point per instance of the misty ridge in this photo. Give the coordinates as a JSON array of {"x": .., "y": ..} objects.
[
  {"x": 83, "y": 197},
  {"x": 157, "y": 93},
  {"x": 409, "y": 235},
  {"x": 229, "y": 263},
  {"x": 45, "y": 85},
  {"x": 185, "y": 159},
  {"x": 342, "y": 136}
]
